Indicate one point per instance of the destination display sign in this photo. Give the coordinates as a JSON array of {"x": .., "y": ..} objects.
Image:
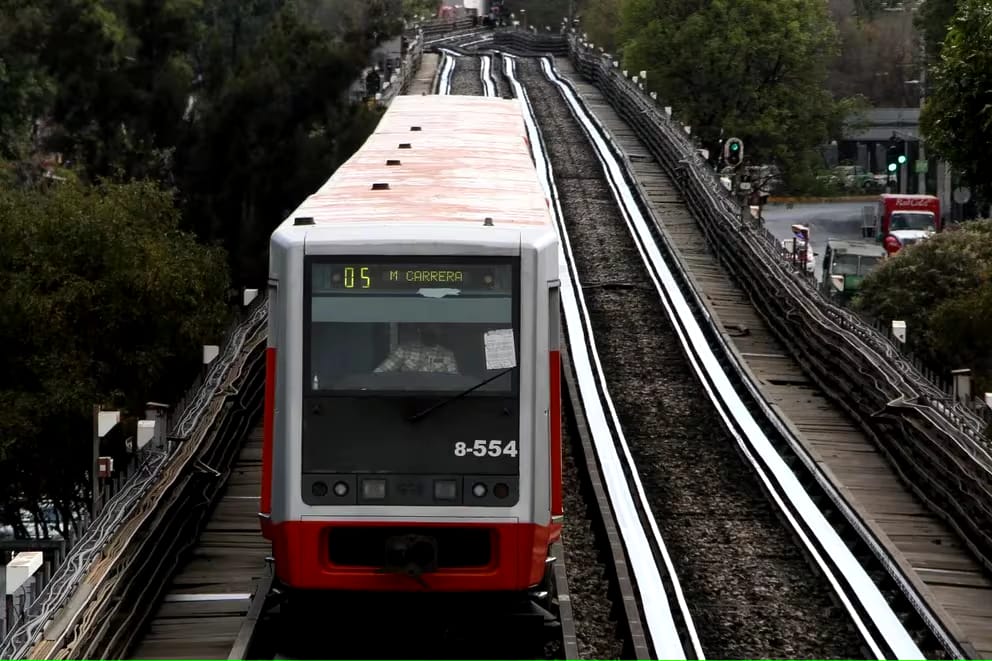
[{"x": 364, "y": 277}]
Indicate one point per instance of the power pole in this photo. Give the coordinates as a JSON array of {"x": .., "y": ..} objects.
[
  {"x": 95, "y": 468},
  {"x": 922, "y": 174},
  {"x": 904, "y": 169}
]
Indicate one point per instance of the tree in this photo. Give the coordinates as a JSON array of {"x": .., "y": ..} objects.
[
  {"x": 104, "y": 298},
  {"x": 755, "y": 69},
  {"x": 231, "y": 29},
  {"x": 27, "y": 89},
  {"x": 160, "y": 75},
  {"x": 104, "y": 301},
  {"x": 600, "y": 19},
  {"x": 876, "y": 54},
  {"x": 415, "y": 8},
  {"x": 942, "y": 289},
  {"x": 957, "y": 116},
  {"x": 274, "y": 132},
  {"x": 932, "y": 20}
]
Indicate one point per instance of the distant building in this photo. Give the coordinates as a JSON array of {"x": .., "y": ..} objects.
[{"x": 867, "y": 135}]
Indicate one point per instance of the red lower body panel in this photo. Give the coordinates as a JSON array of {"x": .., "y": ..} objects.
[{"x": 303, "y": 559}]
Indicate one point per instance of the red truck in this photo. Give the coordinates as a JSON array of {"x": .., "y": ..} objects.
[{"x": 900, "y": 220}]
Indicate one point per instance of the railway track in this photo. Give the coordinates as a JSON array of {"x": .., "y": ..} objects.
[
  {"x": 212, "y": 602},
  {"x": 665, "y": 627},
  {"x": 921, "y": 566},
  {"x": 879, "y": 632}
]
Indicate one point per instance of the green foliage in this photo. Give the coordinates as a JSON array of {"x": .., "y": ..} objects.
[
  {"x": 942, "y": 288},
  {"x": 600, "y": 19},
  {"x": 932, "y": 19},
  {"x": 123, "y": 74},
  {"x": 755, "y": 69},
  {"x": 104, "y": 301},
  {"x": 270, "y": 136},
  {"x": 878, "y": 52},
  {"x": 238, "y": 109},
  {"x": 25, "y": 88},
  {"x": 414, "y": 8},
  {"x": 957, "y": 116}
]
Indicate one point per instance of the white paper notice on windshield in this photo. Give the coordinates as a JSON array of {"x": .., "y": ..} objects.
[{"x": 500, "y": 354}]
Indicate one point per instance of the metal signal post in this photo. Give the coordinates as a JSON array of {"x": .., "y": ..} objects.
[
  {"x": 733, "y": 156},
  {"x": 895, "y": 159}
]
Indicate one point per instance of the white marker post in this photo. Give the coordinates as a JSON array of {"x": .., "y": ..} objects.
[
  {"x": 157, "y": 412},
  {"x": 145, "y": 434},
  {"x": 962, "y": 385},
  {"x": 899, "y": 331},
  {"x": 103, "y": 422},
  {"x": 248, "y": 295},
  {"x": 19, "y": 591},
  {"x": 210, "y": 352}
]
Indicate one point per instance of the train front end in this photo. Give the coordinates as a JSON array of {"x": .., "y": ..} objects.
[{"x": 412, "y": 418}]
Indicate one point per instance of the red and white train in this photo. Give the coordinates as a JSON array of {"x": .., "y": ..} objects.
[{"x": 412, "y": 425}]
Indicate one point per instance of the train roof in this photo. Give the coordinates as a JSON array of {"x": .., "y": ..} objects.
[{"x": 437, "y": 159}]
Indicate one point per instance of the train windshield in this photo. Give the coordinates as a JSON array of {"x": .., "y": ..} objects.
[{"x": 412, "y": 326}]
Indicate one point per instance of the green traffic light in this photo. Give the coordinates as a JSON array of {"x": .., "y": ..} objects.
[
  {"x": 734, "y": 146},
  {"x": 892, "y": 167},
  {"x": 902, "y": 159}
]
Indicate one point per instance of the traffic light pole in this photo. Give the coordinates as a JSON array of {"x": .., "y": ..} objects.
[
  {"x": 733, "y": 155},
  {"x": 922, "y": 181},
  {"x": 904, "y": 169}
]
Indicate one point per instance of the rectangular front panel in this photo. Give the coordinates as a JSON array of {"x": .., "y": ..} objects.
[
  {"x": 410, "y": 369},
  {"x": 372, "y": 434}
]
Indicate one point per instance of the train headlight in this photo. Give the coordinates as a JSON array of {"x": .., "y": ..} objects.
[
  {"x": 479, "y": 490},
  {"x": 340, "y": 489},
  {"x": 373, "y": 489},
  {"x": 445, "y": 489},
  {"x": 501, "y": 490},
  {"x": 318, "y": 489}
]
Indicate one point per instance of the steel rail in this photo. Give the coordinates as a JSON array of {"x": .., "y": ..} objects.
[
  {"x": 485, "y": 72},
  {"x": 249, "y": 625},
  {"x": 448, "y": 57},
  {"x": 468, "y": 34}
]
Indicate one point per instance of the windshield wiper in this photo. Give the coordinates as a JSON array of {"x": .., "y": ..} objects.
[{"x": 430, "y": 409}]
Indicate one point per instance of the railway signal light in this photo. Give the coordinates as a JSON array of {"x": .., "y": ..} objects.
[{"x": 733, "y": 152}]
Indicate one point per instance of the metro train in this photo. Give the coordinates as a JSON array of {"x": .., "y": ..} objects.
[{"x": 412, "y": 423}]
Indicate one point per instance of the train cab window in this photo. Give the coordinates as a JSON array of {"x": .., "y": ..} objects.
[{"x": 392, "y": 327}]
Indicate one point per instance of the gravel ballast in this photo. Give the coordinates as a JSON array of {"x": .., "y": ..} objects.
[{"x": 467, "y": 77}]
